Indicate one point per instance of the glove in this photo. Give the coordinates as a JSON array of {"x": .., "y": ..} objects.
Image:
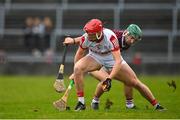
[{"x": 106, "y": 85}]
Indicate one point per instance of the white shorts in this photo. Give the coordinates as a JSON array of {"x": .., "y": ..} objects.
[{"x": 107, "y": 61}]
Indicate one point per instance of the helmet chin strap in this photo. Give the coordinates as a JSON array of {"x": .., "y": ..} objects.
[{"x": 98, "y": 37}]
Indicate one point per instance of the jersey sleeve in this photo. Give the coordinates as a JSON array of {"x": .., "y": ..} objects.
[
  {"x": 114, "y": 43},
  {"x": 118, "y": 33},
  {"x": 82, "y": 43}
]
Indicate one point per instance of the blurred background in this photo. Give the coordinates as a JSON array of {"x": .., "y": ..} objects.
[{"x": 32, "y": 32}]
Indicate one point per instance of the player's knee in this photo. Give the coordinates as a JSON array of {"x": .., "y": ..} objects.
[
  {"x": 134, "y": 82},
  {"x": 138, "y": 84},
  {"x": 78, "y": 69}
]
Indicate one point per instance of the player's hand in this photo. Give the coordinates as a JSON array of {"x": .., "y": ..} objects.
[
  {"x": 68, "y": 40},
  {"x": 106, "y": 85},
  {"x": 71, "y": 77}
]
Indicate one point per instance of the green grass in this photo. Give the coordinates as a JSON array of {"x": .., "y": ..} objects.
[{"x": 32, "y": 97}]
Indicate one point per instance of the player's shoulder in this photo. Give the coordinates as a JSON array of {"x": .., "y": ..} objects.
[
  {"x": 108, "y": 32},
  {"x": 118, "y": 33},
  {"x": 84, "y": 37}
]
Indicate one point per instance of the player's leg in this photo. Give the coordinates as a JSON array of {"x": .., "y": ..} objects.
[
  {"x": 128, "y": 92},
  {"x": 99, "y": 74},
  {"x": 84, "y": 65},
  {"x": 102, "y": 75},
  {"x": 128, "y": 76}
]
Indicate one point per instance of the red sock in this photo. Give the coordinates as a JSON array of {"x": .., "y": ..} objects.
[
  {"x": 154, "y": 102},
  {"x": 80, "y": 94}
]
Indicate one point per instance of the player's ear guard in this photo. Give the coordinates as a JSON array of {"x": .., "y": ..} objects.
[{"x": 106, "y": 85}]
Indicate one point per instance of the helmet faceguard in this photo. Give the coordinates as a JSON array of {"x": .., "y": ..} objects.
[{"x": 94, "y": 27}]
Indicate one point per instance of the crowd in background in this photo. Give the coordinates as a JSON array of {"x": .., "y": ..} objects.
[{"x": 37, "y": 34}]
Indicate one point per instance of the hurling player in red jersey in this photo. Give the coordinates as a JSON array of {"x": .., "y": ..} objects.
[
  {"x": 124, "y": 45},
  {"x": 94, "y": 39}
]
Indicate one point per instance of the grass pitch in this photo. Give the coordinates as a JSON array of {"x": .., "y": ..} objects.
[{"x": 32, "y": 97}]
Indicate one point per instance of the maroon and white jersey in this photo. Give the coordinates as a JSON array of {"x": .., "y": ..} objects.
[
  {"x": 104, "y": 46},
  {"x": 121, "y": 39}
]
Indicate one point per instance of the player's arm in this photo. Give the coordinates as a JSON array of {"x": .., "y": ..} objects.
[
  {"x": 106, "y": 85},
  {"x": 118, "y": 60},
  {"x": 81, "y": 50},
  {"x": 79, "y": 54},
  {"x": 116, "y": 55},
  {"x": 70, "y": 40}
]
